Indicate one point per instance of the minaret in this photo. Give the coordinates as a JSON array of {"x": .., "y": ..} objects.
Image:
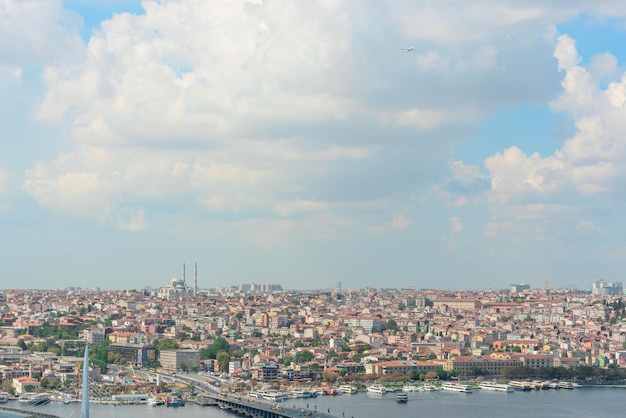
[
  {"x": 184, "y": 284},
  {"x": 195, "y": 280}
]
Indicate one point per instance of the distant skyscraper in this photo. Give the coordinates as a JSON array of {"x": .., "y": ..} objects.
[
  {"x": 518, "y": 288},
  {"x": 600, "y": 287}
]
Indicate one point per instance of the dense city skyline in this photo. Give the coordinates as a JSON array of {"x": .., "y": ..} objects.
[{"x": 305, "y": 145}]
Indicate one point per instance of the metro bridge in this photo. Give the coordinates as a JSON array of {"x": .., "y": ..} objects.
[{"x": 256, "y": 409}]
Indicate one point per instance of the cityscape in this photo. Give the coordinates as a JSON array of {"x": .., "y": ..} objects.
[
  {"x": 260, "y": 335},
  {"x": 249, "y": 204}
]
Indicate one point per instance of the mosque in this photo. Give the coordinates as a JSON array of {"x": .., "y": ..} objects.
[{"x": 176, "y": 287}]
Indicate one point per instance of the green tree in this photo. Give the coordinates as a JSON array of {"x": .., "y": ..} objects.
[
  {"x": 167, "y": 344},
  {"x": 303, "y": 356},
  {"x": 223, "y": 358},
  {"x": 21, "y": 344}
]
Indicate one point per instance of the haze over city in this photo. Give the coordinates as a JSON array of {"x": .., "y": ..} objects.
[{"x": 304, "y": 143}]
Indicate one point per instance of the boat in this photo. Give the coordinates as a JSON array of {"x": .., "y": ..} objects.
[
  {"x": 377, "y": 389},
  {"x": 31, "y": 398},
  {"x": 402, "y": 397},
  {"x": 428, "y": 388},
  {"x": 274, "y": 396},
  {"x": 4, "y": 397},
  {"x": 496, "y": 387},
  {"x": 408, "y": 388},
  {"x": 566, "y": 385},
  {"x": 519, "y": 385},
  {"x": 349, "y": 389},
  {"x": 26, "y": 397},
  {"x": 175, "y": 401},
  {"x": 152, "y": 401},
  {"x": 457, "y": 387}
]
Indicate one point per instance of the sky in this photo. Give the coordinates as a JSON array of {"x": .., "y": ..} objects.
[{"x": 296, "y": 143}]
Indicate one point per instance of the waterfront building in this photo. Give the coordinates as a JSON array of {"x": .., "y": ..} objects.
[
  {"x": 173, "y": 359},
  {"x": 264, "y": 373}
]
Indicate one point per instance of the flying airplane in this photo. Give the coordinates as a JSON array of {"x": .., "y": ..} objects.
[{"x": 409, "y": 49}]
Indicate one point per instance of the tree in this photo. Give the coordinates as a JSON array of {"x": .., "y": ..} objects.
[
  {"x": 392, "y": 325},
  {"x": 303, "y": 356},
  {"x": 167, "y": 344},
  {"x": 220, "y": 344},
  {"x": 21, "y": 344},
  {"x": 223, "y": 358}
]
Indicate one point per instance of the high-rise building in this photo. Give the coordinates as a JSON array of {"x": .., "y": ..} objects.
[
  {"x": 600, "y": 287},
  {"x": 518, "y": 288}
]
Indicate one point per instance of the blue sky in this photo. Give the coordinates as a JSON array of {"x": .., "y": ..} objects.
[{"x": 295, "y": 143}]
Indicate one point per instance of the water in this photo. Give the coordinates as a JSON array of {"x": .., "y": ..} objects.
[{"x": 586, "y": 402}]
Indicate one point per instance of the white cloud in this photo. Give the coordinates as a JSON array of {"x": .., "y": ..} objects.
[
  {"x": 36, "y": 32},
  {"x": 565, "y": 53},
  {"x": 400, "y": 222},
  {"x": 460, "y": 202},
  {"x": 4, "y": 180},
  {"x": 456, "y": 226},
  {"x": 281, "y": 109},
  {"x": 132, "y": 220},
  {"x": 591, "y": 162}
]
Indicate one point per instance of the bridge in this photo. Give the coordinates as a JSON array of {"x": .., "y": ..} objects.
[{"x": 258, "y": 409}]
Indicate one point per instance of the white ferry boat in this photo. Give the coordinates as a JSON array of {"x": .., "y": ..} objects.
[
  {"x": 496, "y": 387},
  {"x": 566, "y": 385},
  {"x": 409, "y": 388},
  {"x": 4, "y": 397},
  {"x": 349, "y": 389},
  {"x": 30, "y": 398},
  {"x": 377, "y": 389},
  {"x": 457, "y": 387},
  {"x": 428, "y": 388},
  {"x": 26, "y": 397},
  {"x": 402, "y": 397},
  {"x": 274, "y": 396}
]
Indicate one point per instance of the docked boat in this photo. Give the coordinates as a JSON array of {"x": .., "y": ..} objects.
[
  {"x": 496, "y": 387},
  {"x": 4, "y": 397},
  {"x": 26, "y": 397},
  {"x": 31, "y": 398},
  {"x": 457, "y": 387},
  {"x": 402, "y": 397},
  {"x": 175, "y": 401},
  {"x": 409, "y": 388},
  {"x": 566, "y": 385},
  {"x": 274, "y": 396},
  {"x": 428, "y": 388},
  {"x": 349, "y": 389},
  {"x": 377, "y": 389},
  {"x": 520, "y": 385},
  {"x": 152, "y": 401}
]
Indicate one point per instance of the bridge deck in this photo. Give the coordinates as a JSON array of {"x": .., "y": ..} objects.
[{"x": 263, "y": 409}]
